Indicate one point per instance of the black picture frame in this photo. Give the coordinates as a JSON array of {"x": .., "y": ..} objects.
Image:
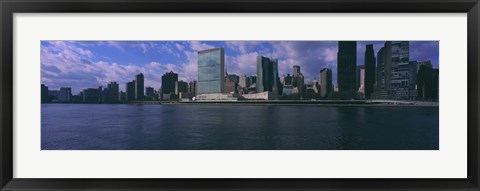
[{"x": 9, "y": 7}]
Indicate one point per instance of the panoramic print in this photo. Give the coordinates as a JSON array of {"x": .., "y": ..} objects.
[{"x": 239, "y": 95}]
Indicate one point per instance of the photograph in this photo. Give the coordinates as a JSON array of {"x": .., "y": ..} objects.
[{"x": 239, "y": 95}]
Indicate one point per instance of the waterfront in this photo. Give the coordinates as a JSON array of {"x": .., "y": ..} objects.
[{"x": 234, "y": 127}]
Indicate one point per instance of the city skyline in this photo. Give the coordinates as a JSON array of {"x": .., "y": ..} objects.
[{"x": 86, "y": 64}]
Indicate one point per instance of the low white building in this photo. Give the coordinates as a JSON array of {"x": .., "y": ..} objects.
[
  {"x": 260, "y": 96},
  {"x": 215, "y": 97}
]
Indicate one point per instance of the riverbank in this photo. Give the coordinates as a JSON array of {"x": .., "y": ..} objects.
[{"x": 326, "y": 103}]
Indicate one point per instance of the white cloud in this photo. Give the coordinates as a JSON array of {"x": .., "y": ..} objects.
[{"x": 199, "y": 46}]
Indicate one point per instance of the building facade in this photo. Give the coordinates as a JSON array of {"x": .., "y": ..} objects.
[
  {"x": 169, "y": 79},
  {"x": 346, "y": 68},
  {"x": 130, "y": 91},
  {"x": 139, "y": 87},
  {"x": 267, "y": 75},
  {"x": 211, "y": 71},
  {"x": 370, "y": 73},
  {"x": 400, "y": 70},
  {"x": 65, "y": 94},
  {"x": 112, "y": 92},
  {"x": 326, "y": 84}
]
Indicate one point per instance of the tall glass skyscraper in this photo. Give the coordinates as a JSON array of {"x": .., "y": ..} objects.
[
  {"x": 347, "y": 66},
  {"x": 267, "y": 74},
  {"x": 211, "y": 64},
  {"x": 369, "y": 70}
]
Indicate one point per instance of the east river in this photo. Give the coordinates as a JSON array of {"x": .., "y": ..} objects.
[{"x": 237, "y": 127}]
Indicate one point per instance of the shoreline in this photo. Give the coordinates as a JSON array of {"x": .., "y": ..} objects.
[{"x": 319, "y": 103}]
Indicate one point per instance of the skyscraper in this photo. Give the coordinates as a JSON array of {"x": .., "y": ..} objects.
[
  {"x": 298, "y": 79},
  {"x": 384, "y": 70},
  {"x": 413, "y": 70},
  {"x": 112, "y": 95},
  {"x": 181, "y": 87},
  {"x": 149, "y": 93},
  {"x": 92, "y": 95},
  {"x": 326, "y": 85},
  {"x": 427, "y": 81},
  {"x": 267, "y": 74},
  {"x": 211, "y": 64},
  {"x": 296, "y": 70},
  {"x": 130, "y": 91},
  {"x": 168, "y": 82},
  {"x": 346, "y": 67},
  {"x": 139, "y": 88},
  {"x": 65, "y": 94},
  {"x": 192, "y": 89},
  {"x": 400, "y": 70},
  {"x": 369, "y": 70},
  {"x": 44, "y": 92}
]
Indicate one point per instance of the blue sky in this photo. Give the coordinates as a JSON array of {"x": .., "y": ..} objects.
[{"x": 85, "y": 64}]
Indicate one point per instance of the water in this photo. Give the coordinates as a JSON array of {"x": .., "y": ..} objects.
[{"x": 234, "y": 127}]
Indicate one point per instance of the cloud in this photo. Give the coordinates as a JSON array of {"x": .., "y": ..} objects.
[
  {"x": 199, "y": 46},
  {"x": 64, "y": 64},
  {"x": 243, "y": 47},
  {"x": 87, "y": 64}
]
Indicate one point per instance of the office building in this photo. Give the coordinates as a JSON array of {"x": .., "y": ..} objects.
[
  {"x": 149, "y": 94},
  {"x": 370, "y": 71},
  {"x": 112, "y": 92},
  {"x": 230, "y": 85},
  {"x": 130, "y": 91},
  {"x": 384, "y": 71},
  {"x": 44, "y": 94},
  {"x": 267, "y": 74},
  {"x": 251, "y": 80},
  {"x": 413, "y": 70},
  {"x": 169, "y": 79},
  {"x": 65, "y": 95},
  {"x": 298, "y": 80},
  {"x": 139, "y": 88},
  {"x": 192, "y": 89},
  {"x": 92, "y": 95},
  {"x": 181, "y": 87},
  {"x": 326, "y": 85},
  {"x": 233, "y": 77},
  {"x": 346, "y": 68},
  {"x": 400, "y": 70},
  {"x": 211, "y": 64},
  {"x": 427, "y": 81}
]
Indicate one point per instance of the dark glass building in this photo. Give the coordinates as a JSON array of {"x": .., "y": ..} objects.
[
  {"x": 139, "y": 87},
  {"x": 384, "y": 71},
  {"x": 44, "y": 94},
  {"x": 369, "y": 70},
  {"x": 168, "y": 82},
  {"x": 346, "y": 67},
  {"x": 92, "y": 95},
  {"x": 149, "y": 93},
  {"x": 427, "y": 81},
  {"x": 181, "y": 87},
  {"x": 111, "y": 93},
  {"x": 326, "y": 85},
  {"x": 130, "y": 91},
  {"x": 267, "y": 74}
]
